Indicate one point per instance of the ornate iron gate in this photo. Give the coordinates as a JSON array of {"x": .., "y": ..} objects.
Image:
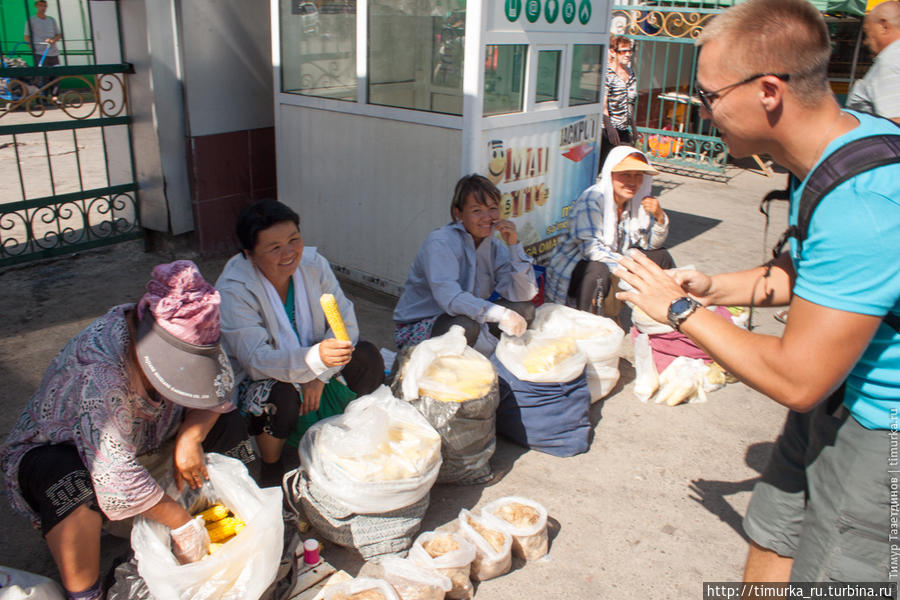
[
  {"x": 667, "y": 113},
  {"x": 66, "y": 171}
]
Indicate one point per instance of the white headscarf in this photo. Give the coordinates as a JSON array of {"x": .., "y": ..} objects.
[{"x": 640, "y": 218}]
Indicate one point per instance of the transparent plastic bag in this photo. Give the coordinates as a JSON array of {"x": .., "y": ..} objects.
[
  {"x": 380, "y": 455},
  {"x": 458, "y": 394},
  {"x": 409, "y": 580},
  {"x": 527, "y": 526},
  {"x": 493, "y": 547},
  {"x": 600, "y": 338},
  {"x": 646, "y": 379},
  {"x": 23, "y": 585},
  {"x": 541, "y": 358},
  {"x": 682, "y": 381},
  {"x": 456, "y": 564},
  {"x": 362, "y": 588},
  {"x": 244, "y": 567}
]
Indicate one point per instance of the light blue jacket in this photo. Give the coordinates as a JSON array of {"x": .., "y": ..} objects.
[{"x": 442, "y": 277}]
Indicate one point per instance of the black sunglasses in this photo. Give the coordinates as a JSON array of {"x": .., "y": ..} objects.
[{"x": 707, "y": 98}]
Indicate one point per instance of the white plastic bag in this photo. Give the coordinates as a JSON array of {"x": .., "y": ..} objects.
[
  {"x": 682, "y": 381},
  {"x": 456, "y": 564},
  {"x": 530, "y": 539},
  {"x": 462, "y": 372},
  {"x": 379, "y": 456},
  {"x": 344, "y": 590},
  {"x": 490, "y": 560},
  {"x": 244, "y": 567},
  {"x": 646, "y": 379},
  {"x": 600, "y": 338},
  {"x": 22, "y": 585},
  {"x": 412, "y": 582},
  {"x": 541, "y": 358}
]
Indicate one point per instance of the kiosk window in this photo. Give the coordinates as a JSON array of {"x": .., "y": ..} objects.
[
  {"x": 587, "y": 74},
  {"x": 504, "y": 78},
  {"x": 548, "y": 75},
  {"x": 416, "y": 54},
  {"x": 318, "y": 48}
]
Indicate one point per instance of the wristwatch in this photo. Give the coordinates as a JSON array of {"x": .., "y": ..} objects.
[{"x": 680, "y": 309}]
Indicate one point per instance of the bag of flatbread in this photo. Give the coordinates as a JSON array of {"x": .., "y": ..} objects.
[
  {"x": 449, "y": 554},
  {"x": 455, "y": 388},
  {"x": 361, "y": 588},
  {"x": 380, "y": 455},
  {"x": 409, "y": 580},
  {"x": 524, "y": 519},
  {"x": 682, "y": 381},
  {"x": 493, "y": 548}
]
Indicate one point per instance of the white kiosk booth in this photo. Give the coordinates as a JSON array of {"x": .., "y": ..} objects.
[{"x": 381, "y": 105}]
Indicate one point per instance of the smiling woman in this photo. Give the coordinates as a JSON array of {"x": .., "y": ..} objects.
[{"x": 284, "y": 355}]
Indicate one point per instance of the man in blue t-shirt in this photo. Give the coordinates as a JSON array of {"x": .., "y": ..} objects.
[{"x": 822, "y": 510}]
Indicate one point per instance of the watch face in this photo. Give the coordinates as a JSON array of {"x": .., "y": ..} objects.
[{"x": 680, "y": 305}]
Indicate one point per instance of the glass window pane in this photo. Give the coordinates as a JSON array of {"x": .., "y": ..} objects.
[
  {"x": 318, "y": 48},
  {"x": 587, "y": 74},
  {"x": 548, "y": 75},
  {"x": 416, "y": 54},
  {"x": 504, "y": 78}
]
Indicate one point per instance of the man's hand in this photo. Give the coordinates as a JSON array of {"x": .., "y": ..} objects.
[
  {"x": 335, "y": 353},
  {"x": 507, "y": 231},
  {"x": 312, "y": 395},
  {"x": 653, "y": 289},
  {"x": 651, "y": 205},
  {"x": 697, "y": 284}
]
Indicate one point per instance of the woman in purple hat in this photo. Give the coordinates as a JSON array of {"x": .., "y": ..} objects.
[{"x": 136, "y": 378}]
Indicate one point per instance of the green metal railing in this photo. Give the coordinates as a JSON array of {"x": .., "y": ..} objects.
[
  {"x": 61, "y": 197},
  {"x": 667, "y": 116}
]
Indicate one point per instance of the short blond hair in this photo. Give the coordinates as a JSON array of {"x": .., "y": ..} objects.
[{"x": 777, "y": 36}]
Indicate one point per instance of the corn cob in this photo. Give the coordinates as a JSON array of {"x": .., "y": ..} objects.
[
  {"x": 333, "y": 315},
  {"x": 224, "y": 529},
  {"x": 216, "y": 512}
]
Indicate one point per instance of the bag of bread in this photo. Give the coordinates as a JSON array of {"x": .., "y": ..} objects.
[
  {"x": 361, "y": 588},
  {"x": 380, "y": 455},
  {"x": 455, "y": 389},
  {"x": 524, "y": 519},
  {"x": 600, "y": 338},
  {"x": 541, "y": 358},
  {"x": 451, "y": 555},
  {"x": 682, "y": 381},
  {"x": 493, "y": 548},
  {"x": 409, "y": 580}
]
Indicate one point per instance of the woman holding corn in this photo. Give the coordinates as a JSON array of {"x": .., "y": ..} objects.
[
  {"x": 459, "y": 266},
  {"x": 137, "y": 378},
  {"x": 285, "y": 356}
]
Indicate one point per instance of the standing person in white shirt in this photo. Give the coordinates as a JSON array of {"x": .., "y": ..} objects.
[{"x": 879, "y": 91}]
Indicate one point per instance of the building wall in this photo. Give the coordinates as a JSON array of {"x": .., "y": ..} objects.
[{"x": 368, "y": 190}]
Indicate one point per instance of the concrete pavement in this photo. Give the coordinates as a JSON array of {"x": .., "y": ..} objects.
[{"x": 651, "y": 511}]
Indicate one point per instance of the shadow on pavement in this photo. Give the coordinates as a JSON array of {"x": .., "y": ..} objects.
[
  {"x": 685, "y": 226},
  {"x": 712, "y": 494}
]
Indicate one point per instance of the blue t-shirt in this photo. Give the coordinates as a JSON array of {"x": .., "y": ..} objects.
[{"x": 850, "y": 261}]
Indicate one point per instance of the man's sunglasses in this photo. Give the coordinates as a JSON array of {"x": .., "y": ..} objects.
[{"x": 707, "y": 98}]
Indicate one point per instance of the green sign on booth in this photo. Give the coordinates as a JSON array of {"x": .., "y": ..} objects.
[
  {"x": 584, "y": 12},
  {"x": 568, "y": 11},
  {"x": 532, "y": 10},
  {"x": 551, "y": 10},
  {"x": 513, "y": 9}
]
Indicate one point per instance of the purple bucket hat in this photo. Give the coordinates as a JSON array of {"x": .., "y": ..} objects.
[{"x": 178, "y": 338}]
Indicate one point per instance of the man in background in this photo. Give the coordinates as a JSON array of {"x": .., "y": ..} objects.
[
  {"x": 42, "y": 32},
  {"x": 879, "y": 91}
]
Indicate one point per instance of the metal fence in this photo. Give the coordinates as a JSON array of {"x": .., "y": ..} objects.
[
  {"x": 66, "y": 170},
  {"x": 667, "y": 112}
]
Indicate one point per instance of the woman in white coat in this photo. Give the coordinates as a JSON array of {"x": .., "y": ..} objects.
[{"x": 284, "y": 356}]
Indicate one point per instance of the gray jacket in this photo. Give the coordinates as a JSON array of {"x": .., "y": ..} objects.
[
  {"x": 442, "y": 277},
  {"x": 249, "y": 323}
]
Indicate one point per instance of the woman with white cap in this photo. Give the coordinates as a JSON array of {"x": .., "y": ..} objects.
[
  {"x": 613, "y": 215},
  {"x": 137, "y": 377}
]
